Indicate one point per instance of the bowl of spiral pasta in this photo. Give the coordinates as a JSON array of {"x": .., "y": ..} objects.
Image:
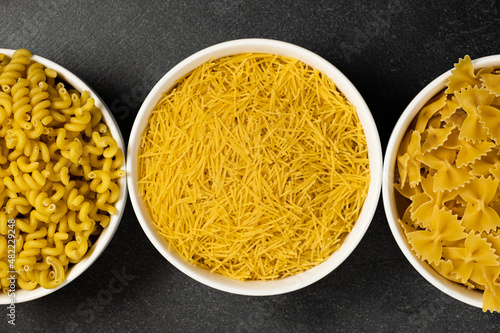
[
  {"x": 254, "y": 167},
  {"x": 441, "y": 182},
  {"x": 62, "y": 166}
]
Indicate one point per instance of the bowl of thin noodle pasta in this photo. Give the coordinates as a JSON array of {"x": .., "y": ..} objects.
[
  {"x": 441, "y": 180},
  {"x": 63, "y": 191},
  {"x": 254, "y": 167}
]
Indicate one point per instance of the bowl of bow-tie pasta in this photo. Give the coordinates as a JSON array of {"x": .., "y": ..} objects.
[
  {"x": 62, "y": 188},
  {"x": 441, "y": 182}
]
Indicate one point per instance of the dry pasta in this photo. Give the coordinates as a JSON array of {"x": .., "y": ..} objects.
[
  {"x": 254, "y": 166},
  {"x": 59, "y": 167},
  {"x": 448, "y": 167}
]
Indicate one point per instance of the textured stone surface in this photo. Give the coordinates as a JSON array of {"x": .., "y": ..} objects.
[{"x": 389, "y": 50}]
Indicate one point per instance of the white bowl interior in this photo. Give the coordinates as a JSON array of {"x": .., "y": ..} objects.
[
  {"x": 374, "y": 150},
  {"x": 459, "y": 292},
  {"x": 103, "y": 240}
]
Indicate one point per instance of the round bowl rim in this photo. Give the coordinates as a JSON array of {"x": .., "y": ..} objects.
[
  {"x": 256, "y": 288},
  {"x": 103, "y": 240},
  {"x": 459, "y": 292}
]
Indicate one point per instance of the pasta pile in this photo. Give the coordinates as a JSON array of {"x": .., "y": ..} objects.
[
  {"x": 58, "y": 176},
  {"x": 254, "y": 166},
  {"x": 448, "y": 166}
]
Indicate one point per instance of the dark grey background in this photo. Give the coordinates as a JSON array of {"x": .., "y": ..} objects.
[{"x": 389, "y": 49}]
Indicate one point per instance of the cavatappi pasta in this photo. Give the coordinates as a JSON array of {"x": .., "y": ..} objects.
[
  {"x": 59, "y": 167},
  {"x": 448, "y": 167},
  {"x": 254, "y": 166}
]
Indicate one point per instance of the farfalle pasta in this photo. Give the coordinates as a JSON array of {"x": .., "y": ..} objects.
[
  {"x": 448, "y": 167},
  {"x": 59, "y": 167}
]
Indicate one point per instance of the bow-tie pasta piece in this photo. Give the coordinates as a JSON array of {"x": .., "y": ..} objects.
[
  {"x": 451, "y": 106},
  {"x": 446, "y": 269},
  {"x": 423, "y": 203},
  {"x": 447, "y": 175},
  {"x": 428, "y": 112},
  {"x": 408, "y": 161},
  {"x": 472, "y": 151},
  {"x": 435, "y": 137},
  {"x": 490, "y": 118},
  {"x": 478, "y": 215},
  {"x": 462, "y": 76},
  {"x": 427, "y": 244},
  {"x": 495, "y": 170},
  {"x": 407, "y": 191},
  {"x": 491, "y": 82},
  {"x": 470, "y": 99},
  {"x": 494, "y": 239},
  {"x": 486, "y": 164},
  {"x": 476, "y": 251},
  {"x": 489, "y": 276},
  {"x": 456, "y": 119}
]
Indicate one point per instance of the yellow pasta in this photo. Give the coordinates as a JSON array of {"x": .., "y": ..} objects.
[
  {"x": 76, "y": 250},
  {"x": 453, "y": 155},
  {"x": 47, "y": 137},
  {"x": 254, "y": 166}
]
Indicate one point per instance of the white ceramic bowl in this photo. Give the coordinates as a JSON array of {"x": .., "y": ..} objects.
[
  {"x": 103, "y": 240},
  {"x": 459, "y": 292},
  {"x": 374, "y": 150}
]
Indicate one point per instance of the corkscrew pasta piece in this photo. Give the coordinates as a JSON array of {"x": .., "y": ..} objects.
[
  {"x": 453, "y": 219},
  {"x": 59, "y": 172},
  {"x": 14, "y": 69}
]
